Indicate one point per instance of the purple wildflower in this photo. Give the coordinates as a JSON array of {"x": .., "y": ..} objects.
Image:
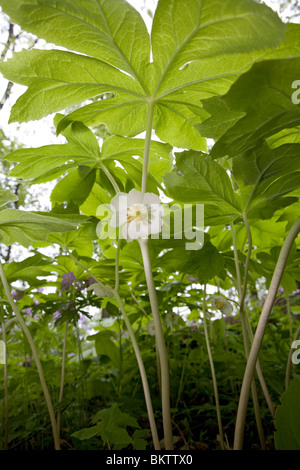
[
  {"x": 56, "y": 315},
  {"x": 28, "y": 311},
  {"x": 192, "y": 278},
  {"x": 67, "y": 280},
  {"x": 17, "y": 294},
  {"x": 90, "y": 281}
]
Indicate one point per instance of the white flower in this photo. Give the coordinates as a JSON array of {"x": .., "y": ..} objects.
[
  {"x": 222, "y": 304},
  {"x": 138, "y": 214},
  {"x": 171, "y": 319},
  {"x": 150, "y": 328}
]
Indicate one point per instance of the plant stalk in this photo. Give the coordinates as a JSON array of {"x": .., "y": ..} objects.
[
  {"x": 5, "y": 444},
  {"x": 242, "y": 294},
  {"x": 260, "y": 330},
  {"x": 62, "y": 377},
  {"x": 213, "y": 372},
  {"x": 161, "y": 345},
  {"x": 142, "y": 373},
  {"x": 136, "y": 349},
  {"x": 146, "y": 158}
]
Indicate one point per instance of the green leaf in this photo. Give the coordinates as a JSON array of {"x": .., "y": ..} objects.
[
  {"x": 139, "y": 439},
  {"x": 264, "y": 97},
  {"x": 75, "y": 187},
  {"x": 106, "y": 347},
  {"x": 204, "y": 263},
  {"x": 113, "y": 32},
  {"x": 265, "y": 176},
  {"x": 203, "y": 180},
  {"x": 198, "y": 52},
  {"x": 287, "y": 419},
  {"x": 26, "y": 227},
  {"x": 88, "y": 433},
  {"x": 48, "y": 162},
  {"x": 127, "y": 150},
  {"x": 101, "y": 290},
  {"x": 112, "y": 423},
  {"x": 28, "y": 269},
  {"x": 7, "y": 196},
  {"x": 286, "y": 136}
]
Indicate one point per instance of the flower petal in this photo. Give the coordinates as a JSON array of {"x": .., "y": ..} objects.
[
  {"x": 151, "y": 198},
  {"x": 134, "y": 197}
]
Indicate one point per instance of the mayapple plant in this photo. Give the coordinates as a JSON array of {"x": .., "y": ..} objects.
[{"x": 209, "y": 69}]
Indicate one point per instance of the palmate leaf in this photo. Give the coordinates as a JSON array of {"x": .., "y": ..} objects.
[
  {"x": 204, "y": 181},
  {"x": 263, "y": 97},
  {"x": 265, "y": 180},
  {"x": 22, "y": 227},
  {"x": 46, "y": 163},
  {"x": 28, "y": 269},
  {"x": 80, "y": 159},
  {"x": 259, "y": 104},
  {"x": 266, "y": 176},
  {"x": 199, "y": 49}
]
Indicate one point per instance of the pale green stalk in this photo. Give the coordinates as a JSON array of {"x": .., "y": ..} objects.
[
  {"x": 110, "y": 177},
  {"x": 157, "y": 355},
  {"x": 161, "y": 346},
  {"x": 35, "y": 356},
  {"x": 160, "y": 341},
  {"x": 5, "y": 445},
  {"x": 145, "y": 384},
  {"x": 245, "y": 317},
  {"x": 146, "y": 158},
  {"x": 260, "y": 330},
  {"x": 242, "y": 294},
  {"x": 213, "y": 373},
  {"x": 288, "y": 308},
  {"x": 138, "y": 356},
  {"x": 62, "y": 377},
  {"x": 136, "y": 349}
]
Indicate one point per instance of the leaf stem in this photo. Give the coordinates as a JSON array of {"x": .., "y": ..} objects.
[
  {"x": 5, "y": 444},
  {"x": 146, "y": 158},
  {"x": 161, "y": 345},
  {"x": 110, "y": 177},
  {"x": 142, "y": 373},
  {"x": 213, "y": 373},
  {"x": 62, "y": 377},
  {"x": 260, "y": 330},
  {"x": 135, "y": 348},
  {"x": 35, "y": 356},
  {"x": 242, "y": 294}
]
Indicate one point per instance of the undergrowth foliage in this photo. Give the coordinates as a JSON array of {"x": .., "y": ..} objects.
[{"x": 144, "y": 341}]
